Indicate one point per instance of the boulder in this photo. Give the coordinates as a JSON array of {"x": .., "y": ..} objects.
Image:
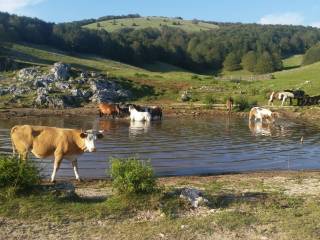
[
  {"x": 194, "y": 196},
  {"x": 62, "y": 85},
  {"x": 185, "y": 96},
  {"x": 61, "y": 71},
  {"x": 30, "y": 73}
]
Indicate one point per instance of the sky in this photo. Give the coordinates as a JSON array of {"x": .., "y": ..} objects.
[{"x": 294, "y": 12}]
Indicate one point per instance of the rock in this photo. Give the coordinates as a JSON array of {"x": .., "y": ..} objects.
[
  {"x": 185, "y": 96},
  {"x": 63, "y": 190},
  {"x": 194, "y": 196},
  {"x": 61, "y": 71},
  {"x": 76, "y": 92},
  {"x": 62, "y": 85},
  {"x": 3, "y": 91},
  {"x": 28, "y": 73}
]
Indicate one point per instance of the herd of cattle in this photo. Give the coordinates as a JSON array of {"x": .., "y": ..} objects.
[
  {"x": 62, "y": 143},
  {"x": 303, "y": 99}
]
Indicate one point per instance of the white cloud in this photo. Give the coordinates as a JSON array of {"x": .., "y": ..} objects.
[
  {"x": 15, "y": 5},
  {"x": 315, "y": 24},
  {"x": 289, "y": 18}
]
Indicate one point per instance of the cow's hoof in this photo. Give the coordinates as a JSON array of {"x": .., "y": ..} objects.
[{"x": 79, "y": 180}]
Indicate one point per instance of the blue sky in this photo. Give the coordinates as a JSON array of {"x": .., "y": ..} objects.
[{"x": 297, "y": 12}]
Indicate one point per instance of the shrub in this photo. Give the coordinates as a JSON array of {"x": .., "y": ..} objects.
[
  {"x": 17, "y": 174},
  {"x": 209, "y": 100},
  {"x": 244, "y": 104},
  {"x": 132, "y": 176}
]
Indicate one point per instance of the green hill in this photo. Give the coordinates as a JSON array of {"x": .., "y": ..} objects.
[
  {"x": 169, "y": 81},
  {"x": 154, "y": 22}
]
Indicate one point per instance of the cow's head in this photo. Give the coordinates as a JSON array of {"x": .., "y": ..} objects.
[{"x": 89, "y": 137}]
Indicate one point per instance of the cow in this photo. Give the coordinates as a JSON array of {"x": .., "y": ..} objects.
[
  {"x": 59, "y": 143},
  {"x": 287, "y": 94},
  {"x": 262, "y": 115},
  {"x": 139, "y": 116},
  {"x": 108, "y": 109},
  {"x": 156, "y": 112},
  {"x": 229, "y": 104}
]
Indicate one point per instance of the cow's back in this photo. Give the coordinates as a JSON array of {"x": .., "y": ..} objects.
[{"x": 44, "y": 141}]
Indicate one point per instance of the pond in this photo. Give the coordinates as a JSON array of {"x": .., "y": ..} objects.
[{"x": 186, "y": 146}]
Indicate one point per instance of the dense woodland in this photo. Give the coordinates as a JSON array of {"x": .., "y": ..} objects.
[{"x": 257, "y": 48}]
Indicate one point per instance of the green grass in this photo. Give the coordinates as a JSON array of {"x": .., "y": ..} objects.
[
  {"x": 161, "y": 82},
  {"x": 293, "y": 62},
  {"x": 153, "y": 22}
]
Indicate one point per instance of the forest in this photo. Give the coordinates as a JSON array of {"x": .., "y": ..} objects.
[{"x": 256, "y": 48}]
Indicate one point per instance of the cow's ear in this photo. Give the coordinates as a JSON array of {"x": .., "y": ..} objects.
[
  {"x": 83, "y": 135},
  {"x": 99, "y": 135}
]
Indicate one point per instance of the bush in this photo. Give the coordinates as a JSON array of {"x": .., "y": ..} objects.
[
  {"x": 209, "y": 100},
  {"x": 17, "y": 174},
  {"x": 132, "y": 176},
  {"x": 244, "y": 104}
]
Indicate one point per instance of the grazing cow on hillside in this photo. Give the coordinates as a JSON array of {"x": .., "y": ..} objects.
[
  {"x": 262, "y": 115},
  {"x": 108, "y": 109},
  {"x": 59, "y": 143},
  {"x": 287, "y": 94}
]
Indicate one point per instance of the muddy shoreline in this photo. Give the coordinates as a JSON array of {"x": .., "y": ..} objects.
[{"x": 174, "y": 110}]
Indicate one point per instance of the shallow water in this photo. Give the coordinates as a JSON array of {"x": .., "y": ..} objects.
[{"x": 187, "y": 146}]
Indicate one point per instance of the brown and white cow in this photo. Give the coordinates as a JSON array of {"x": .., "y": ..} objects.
[
  {"x": 60, "y": 143},
  {"x": 262, "y": 114}
]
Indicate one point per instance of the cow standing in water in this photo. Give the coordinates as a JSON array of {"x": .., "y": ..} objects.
[
  {"x": 108, "y": 109},
  {"x": 60, "y": 143},
  {"x": 259, "y": 114},
  {"x": 229, "y": 104}
]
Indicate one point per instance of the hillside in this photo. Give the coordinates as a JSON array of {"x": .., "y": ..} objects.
[
  {"x": 164, "y": 83},
  {"x": 153, "y": 22}
]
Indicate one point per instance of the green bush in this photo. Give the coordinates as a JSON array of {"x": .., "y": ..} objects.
[
  {"x": 17, "y": 174},
  {"x": 131, "y": 175},
  {"x": 209, "y": 100},
  {"x": 243, "y": 104}
]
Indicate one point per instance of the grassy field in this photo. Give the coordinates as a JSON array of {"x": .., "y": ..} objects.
[
  {"x": 163, "y": 83},
  {"x": 154, "y": 22},
  {"x": 275, "y": 205}
]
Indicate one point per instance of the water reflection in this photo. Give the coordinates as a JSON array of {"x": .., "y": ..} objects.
[
  {"x": 186, "y": 145},
  {"x": 260, "y": 128},
  {"x": 137, "y": 128}
]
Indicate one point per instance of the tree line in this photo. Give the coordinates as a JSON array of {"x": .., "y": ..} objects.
[{"x": 256, "y": 48}]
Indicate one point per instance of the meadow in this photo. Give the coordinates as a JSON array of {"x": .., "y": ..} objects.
[{"x": 152, "y": 22}]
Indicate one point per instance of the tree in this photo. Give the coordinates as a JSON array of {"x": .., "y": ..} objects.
[
  {"x": 264, "y": 63},
  {"x": 232, "y": 62},
  {"x": 249, "y": 61},
  {"x": 312, "y": 55}
]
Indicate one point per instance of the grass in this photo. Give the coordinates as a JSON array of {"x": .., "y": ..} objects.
[
  {"x": 153, "y": 22},
  {"x": 163, "y": 83},
  {"x": 246, "y": 206}
]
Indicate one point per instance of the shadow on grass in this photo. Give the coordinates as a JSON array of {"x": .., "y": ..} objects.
[{"x": 225, "y": 200}]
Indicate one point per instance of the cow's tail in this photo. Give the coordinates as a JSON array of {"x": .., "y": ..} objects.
[{"x": 14, "y": 150}]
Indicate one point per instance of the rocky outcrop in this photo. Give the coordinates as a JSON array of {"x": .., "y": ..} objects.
[
  {"x": 107, "y": 91},
  {"x": 61, "y": 71},
  {"x": 194, "y": 196},
  {"x": 57, "y": 89}
]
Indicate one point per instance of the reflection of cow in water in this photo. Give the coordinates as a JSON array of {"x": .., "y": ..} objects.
[
  {"x": 260, "y": 128},
  {"x": 287, "y": 94}
]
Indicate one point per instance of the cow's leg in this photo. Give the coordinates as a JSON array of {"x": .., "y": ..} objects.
[
  {"x": 283, "y": 100},
  {"x": 56, "y": 165},
  {"x": 75, "y": 168}
]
